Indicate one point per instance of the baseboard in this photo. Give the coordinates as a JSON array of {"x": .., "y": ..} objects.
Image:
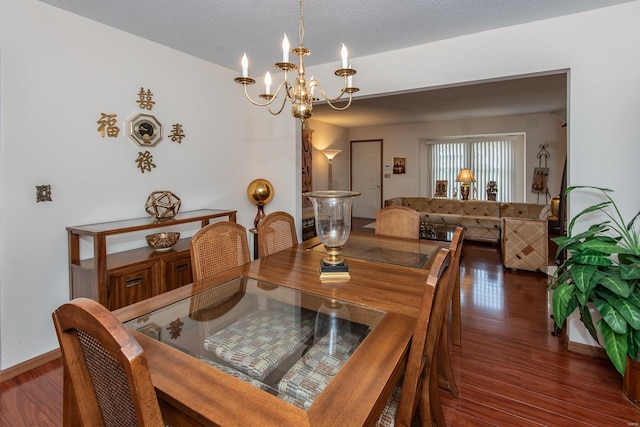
[{"x": 21, "y": 368}]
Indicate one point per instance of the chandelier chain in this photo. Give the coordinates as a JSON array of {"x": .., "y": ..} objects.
[{"x": 301, "y": 29}]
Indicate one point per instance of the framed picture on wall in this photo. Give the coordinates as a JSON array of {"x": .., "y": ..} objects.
[
  {"x": 399, "y": 165},
  {"x": 442, "y": 186}
]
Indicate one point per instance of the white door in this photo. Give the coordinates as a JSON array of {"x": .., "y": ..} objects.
[{"x": 366, "y": 177}]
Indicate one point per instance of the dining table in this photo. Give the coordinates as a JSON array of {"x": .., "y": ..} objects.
[{"x": 383, "y": 295}]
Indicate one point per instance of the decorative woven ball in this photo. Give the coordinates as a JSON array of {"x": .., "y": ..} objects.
[{"x": 162, "y": 204}]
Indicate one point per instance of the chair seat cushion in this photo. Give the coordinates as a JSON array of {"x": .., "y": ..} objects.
[
  {"x": 258, "y": 343},
  {"x": 302, "y": 384},
  {"x": 388, "y": 415},
  {"x": 239, "y": 375}
]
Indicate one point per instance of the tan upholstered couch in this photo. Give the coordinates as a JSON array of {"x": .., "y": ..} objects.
[{"x": 520, "y": 227}]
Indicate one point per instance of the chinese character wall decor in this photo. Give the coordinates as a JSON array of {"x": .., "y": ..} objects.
[
  {"x": 107, "y": 123},
  {"x": 177, "y": 134},
  {"x": 144, "y": 129},
  {"x": 145, "y": 161},
  {"x": 145, "y": 99}
]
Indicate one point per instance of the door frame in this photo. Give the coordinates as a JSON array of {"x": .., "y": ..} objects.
[{"x": 355, "y": 141}]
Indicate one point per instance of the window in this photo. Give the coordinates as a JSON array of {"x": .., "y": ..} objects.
[{"x": 490, "y": 158}]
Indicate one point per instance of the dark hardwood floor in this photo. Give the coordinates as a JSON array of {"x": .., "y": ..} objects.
[{"x": 509, "y": 369}]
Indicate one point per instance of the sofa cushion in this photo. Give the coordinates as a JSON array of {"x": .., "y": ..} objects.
[
  {"x": 446, "y": 206},
  {"x": 520, "y": 210},
  {"x": 479, "y": 208},
  {"x": 482, "y": 234},
  {"x": 481, "y": 222},
  {"x": 440, "y": 218}
]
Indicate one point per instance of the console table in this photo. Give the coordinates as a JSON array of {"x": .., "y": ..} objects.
[{"x": 119, "y": 279}]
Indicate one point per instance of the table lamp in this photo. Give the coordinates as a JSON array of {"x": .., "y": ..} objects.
[
  {"x": 330, "y": 155},
  {"x": 465, "y": 176}
]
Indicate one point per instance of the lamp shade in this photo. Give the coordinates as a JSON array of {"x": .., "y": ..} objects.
[
  {"x": 331, "y": 153},
  {"x": 465, "y": 175}
]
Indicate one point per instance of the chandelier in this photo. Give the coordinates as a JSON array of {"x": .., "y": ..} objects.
[{"x": 301, "y": 93}]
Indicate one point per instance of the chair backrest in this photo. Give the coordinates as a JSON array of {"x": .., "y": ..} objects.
[
  {"x": 106, "y": 366},
  {"x": 218, "y": 247},
  {"x": 420, "y": 371},
  {"x": 276, "y": 231},
  {"x": 398, "y": 221},
  {"x": 456, "y": 249}
]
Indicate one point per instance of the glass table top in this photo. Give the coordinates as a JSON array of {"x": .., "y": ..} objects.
[
  {"x": 441, "y": 232},
  {"x": 407, "y": 253},
  {"x": 269, "y": 336}
]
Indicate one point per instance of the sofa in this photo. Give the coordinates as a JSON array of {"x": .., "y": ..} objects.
[{"x": 521, "y": 228}]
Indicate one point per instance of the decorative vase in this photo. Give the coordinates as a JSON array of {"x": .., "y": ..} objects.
[
  {"x": 631, "y": 382},
  {"x": 260, "y": 192},
  {"x": 332, "y": 211}
]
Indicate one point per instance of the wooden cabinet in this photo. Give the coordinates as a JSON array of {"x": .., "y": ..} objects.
[{"x": 122, "y": 278}]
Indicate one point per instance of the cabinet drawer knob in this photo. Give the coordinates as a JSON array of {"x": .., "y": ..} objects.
[
  {"x": 134, "y": 281},
  {"x": 181, "y": 267}
]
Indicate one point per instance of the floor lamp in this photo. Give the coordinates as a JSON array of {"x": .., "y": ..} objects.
[{"x": 330, "y": 155}]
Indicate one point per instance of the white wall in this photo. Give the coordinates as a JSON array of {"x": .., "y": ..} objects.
[
  {"x": 403, "y": 141},
  {"x": 58, "y": 73}
]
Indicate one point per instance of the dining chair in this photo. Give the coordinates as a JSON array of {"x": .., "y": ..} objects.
[
  {"x": 446, "y": 379},
  {"x": 398, "y": 221},
  {"x": 218, "y": 247},
  {"x": 106, "y": 367},
  {"x": 276, "y": 231},
  {"x": 418, "y": 389}
]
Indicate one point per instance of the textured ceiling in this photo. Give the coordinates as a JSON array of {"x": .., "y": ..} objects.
[{"x": 220, "y": 31}]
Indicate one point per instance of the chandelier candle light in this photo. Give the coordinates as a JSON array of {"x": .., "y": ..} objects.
[{"x": 301, "y": 93}]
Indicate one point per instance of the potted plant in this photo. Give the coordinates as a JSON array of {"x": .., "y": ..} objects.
[{"x": 602, "y": 271}]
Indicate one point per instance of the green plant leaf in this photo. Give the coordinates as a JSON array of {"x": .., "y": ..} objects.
[
  {"x": 602, "y": 244},
  {"x": 587, "y": 321},
  {"x": 563, "y": 302},
  {"x": 592, "y": 258},
  {"x": 615, "y": 345},
  {"x": 615, "y": 283},
  {"x": 581, "y": 275},
  {"x": 624, "y": 307},
  {"x": 629, "y": 266},
  {"x": 633, "y": 344},
  {"x": 609, "y": 314},
  {"x": 634, "y": 298}
]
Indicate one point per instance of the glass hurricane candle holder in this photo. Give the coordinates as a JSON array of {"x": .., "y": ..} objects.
[{"x": 332, "y": 211}]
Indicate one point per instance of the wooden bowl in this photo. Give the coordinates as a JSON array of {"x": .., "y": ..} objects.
[{"x": 162, "y": 241}]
